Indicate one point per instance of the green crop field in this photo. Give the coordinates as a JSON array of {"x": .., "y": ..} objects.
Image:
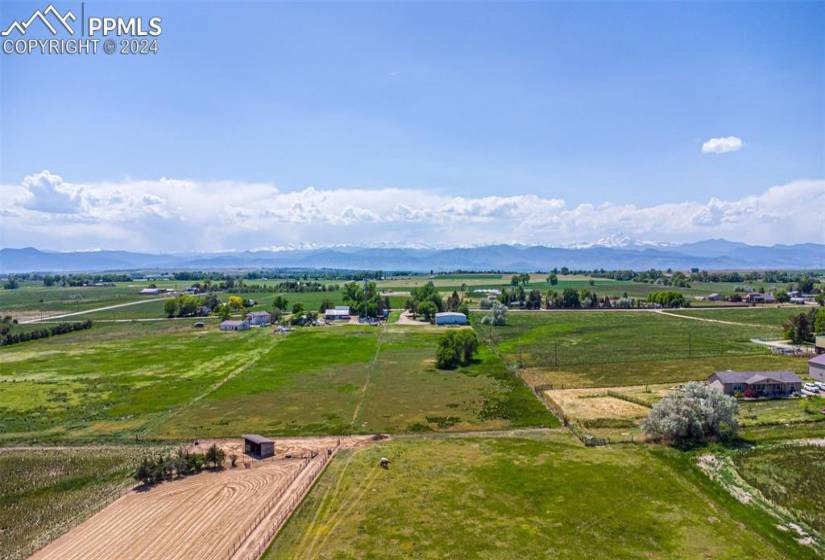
[
  {"x": 523, "y": 497},
  {"x": 43, "y": 492},
  {"x": 166, "y": 379},
  {"x": 792, "y": 476}
]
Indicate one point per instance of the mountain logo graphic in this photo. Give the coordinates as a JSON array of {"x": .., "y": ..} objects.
[{"x": 22, "y": 26}]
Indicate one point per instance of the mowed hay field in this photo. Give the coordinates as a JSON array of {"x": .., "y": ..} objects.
[
  {"x": 791, "y": 476},
  {"x": 364, "y": 380},
  {"x": 43, "y": 492},
  {"x": 610, "y": 349},
  {"x": 538, "y": 496},
  {"x": 167, "y": 380}
]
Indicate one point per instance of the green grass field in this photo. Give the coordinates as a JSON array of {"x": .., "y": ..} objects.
[
  {"x": 361, "y": 379},
  {"x": 790, "y": 476},
  {"x": 54, "y": 299},
  {"x": 168, "y": 380},
  {"x": 114, "y": 379},
  {"x": 45, "y": 492},
  {"x": 603, "y": 349},
  {"x": 528, "y": 497},
  {"x": 767, "y": 316},
  {"x": 783, "y": 411}
]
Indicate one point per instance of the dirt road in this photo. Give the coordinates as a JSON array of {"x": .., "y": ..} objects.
[{"x": 75, "y": 313}]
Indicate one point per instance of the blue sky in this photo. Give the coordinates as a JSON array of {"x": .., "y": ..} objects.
[{"x": 586, "y": 103}]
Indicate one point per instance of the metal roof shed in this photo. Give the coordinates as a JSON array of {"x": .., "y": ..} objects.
[{"x": 258, "y": 446}]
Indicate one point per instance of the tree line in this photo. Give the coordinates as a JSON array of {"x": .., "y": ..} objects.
[
  {"x": 9, "y": 337},
  {"x": 570, "y": 298},
  {"x": 166, "y": 466}
]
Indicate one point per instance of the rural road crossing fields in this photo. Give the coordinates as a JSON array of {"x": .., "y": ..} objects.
[{"x": 87, "y": 311}]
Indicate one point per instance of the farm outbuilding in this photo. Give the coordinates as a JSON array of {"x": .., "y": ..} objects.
[
  {"x": 258, "y": 446},
  {"x": 234, "y": 326},
  {"x": 816, "y": 367},
  {"x": 336, "y": 314},
  {"x": 450, "y": 318}
]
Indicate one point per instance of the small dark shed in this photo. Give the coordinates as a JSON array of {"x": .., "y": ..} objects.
[{"x": 258, "y": 446}]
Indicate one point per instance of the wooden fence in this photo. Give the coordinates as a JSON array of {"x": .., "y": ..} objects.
[{"x": 256, "y": 538}]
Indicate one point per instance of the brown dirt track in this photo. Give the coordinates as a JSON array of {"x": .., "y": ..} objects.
[{"x": 229, "y": 514}]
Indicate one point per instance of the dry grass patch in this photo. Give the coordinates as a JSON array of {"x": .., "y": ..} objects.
[{"x": 592, "y": 404}]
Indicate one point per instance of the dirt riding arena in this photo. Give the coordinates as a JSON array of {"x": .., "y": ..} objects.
[{"x": 231, "y": 514}]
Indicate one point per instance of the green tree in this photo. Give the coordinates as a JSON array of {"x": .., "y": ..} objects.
[
  {"x": 170, "y": 307},
  {"x": 805, "y": 284},
  {"x": 428, "y": 309},
  {"x": 570, "y": 299},
  {"x": 798, "y": 328},
  {"x": 553, "y": 279},
  {"x": 223, "y": 312},
  {"x": 819, "y": 322},
  {"x": 187, "y": 306},
  {"x": 533, "y": 300},
  {"x": 280, "y": 302},
  {"x": 326, "y": 303},
  {"x": 456, "y": 347},
  {"x": 467, "y": 342},
  {"x": 453, "y": 302},
  {"x": 667, "y": 298},
  {"x": 215, "y": 456}
]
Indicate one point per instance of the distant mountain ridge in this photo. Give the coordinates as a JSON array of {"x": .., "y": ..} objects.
[{"x": 714, "y": 254}]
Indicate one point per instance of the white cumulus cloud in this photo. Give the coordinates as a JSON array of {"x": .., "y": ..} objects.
[
  {"x": 166, "y": 215},
  {"x": 722, "y": 145}
]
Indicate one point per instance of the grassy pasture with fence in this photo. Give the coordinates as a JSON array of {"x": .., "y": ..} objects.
[
  {"x": 123, "y": 381},
  {"x": 362, "y": 379},
  {"x": 567, "y": 349},
  {"x": 523, "y": 497}
]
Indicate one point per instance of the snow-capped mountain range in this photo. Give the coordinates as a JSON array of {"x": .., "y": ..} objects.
[{"x": 617, "y": 252}]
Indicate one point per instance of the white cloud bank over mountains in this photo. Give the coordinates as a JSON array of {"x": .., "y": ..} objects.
[{"x": 170, "y": 215}]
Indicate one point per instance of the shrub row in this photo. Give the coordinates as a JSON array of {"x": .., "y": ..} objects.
[
  {"x": 62, "y": 328},
  {"x": 160, "y": 467}
]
